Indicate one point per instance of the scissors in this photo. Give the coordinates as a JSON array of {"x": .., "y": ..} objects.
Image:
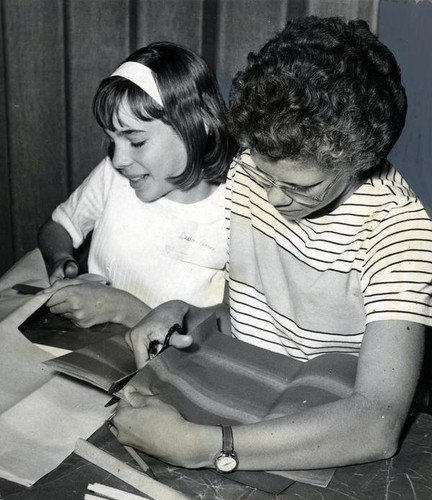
[{"x": 154, "y": 347}]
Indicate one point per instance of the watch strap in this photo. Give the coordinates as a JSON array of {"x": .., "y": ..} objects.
[
  {"x": 227, "y": 439},
  {"x": 226, "y": 460}
]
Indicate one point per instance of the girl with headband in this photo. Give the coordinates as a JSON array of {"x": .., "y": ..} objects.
[{"x": 155, "y": 203}]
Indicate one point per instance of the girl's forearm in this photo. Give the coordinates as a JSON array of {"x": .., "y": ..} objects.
[
  {"x": 340, "y": 433},
  {"x": 129, "y": 310},
  {"x": 55, "y": 243}
]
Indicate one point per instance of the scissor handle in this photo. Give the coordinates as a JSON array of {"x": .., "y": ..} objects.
[{"x": 154, "y": 349}]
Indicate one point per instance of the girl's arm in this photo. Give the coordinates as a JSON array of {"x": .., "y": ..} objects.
[
  {"x": 363, "y": 427},
  {"x": 56, "y": 246},
  {"x": 81, "y": 211}
]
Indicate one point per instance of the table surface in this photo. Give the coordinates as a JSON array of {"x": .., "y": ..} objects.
[{"x": 406, "y": 476}]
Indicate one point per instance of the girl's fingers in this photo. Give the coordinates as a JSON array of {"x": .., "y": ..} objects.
[
  {"x": 55, "y": 300},
  {"x": 140, "y": 343},
  {"x": 134, "y": 397},
  {"x": 56, "y": 276},
  {"x": 71, "y": 269},
  {"x": 181, "y": 341},
  {"x": 141, "y": 354}
]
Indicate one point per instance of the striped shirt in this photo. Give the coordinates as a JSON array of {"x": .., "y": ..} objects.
[{"x": 309, "y": 287}]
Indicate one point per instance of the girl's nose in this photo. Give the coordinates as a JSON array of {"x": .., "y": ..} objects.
[
  {"x": 278, "y": 198},
  {"x": 120, "y": 156}
]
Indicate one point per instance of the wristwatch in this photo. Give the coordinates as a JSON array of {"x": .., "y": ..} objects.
[{"x": 226, "y": 460}]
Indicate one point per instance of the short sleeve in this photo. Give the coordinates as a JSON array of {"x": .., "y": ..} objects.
[
  {"x": 397, "y": 270},
  {"x": 228, "y": 203},
  {"x": 84, "y": 207}
]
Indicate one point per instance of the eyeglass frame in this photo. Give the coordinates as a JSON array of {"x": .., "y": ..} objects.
[{"x": 256, "y": 174}]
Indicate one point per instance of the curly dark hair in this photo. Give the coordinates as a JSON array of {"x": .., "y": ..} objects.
[{"x": 323, "y": 89}]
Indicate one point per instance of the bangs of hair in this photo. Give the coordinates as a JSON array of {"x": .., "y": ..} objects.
[
  {"x": 192, "y": 106},
  {"x": 116, "y": 90}
]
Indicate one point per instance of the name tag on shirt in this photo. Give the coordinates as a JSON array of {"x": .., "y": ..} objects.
[{"x": 197, "y": 244}]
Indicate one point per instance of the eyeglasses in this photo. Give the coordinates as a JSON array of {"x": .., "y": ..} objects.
[{"x": 267, "y": 182}]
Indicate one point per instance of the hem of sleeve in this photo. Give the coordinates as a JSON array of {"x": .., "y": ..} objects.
[
  {"x": 60, "y": 216},
  {"x": 423, "y": 319}
]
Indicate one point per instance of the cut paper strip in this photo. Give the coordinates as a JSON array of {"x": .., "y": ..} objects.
[{"x": 55, "y": 351}]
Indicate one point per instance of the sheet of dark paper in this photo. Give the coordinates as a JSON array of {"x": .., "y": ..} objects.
[
  {"x": 101, "y": 364},
  {"x": 222, "y": 380}
]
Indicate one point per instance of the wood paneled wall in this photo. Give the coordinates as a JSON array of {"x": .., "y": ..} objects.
[{"x": 53, "y": 53}]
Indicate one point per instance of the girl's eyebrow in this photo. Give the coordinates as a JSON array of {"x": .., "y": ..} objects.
[
  {"x": 130, "y": 131},
  {"x": 301, "y": 186},
  {"x": 124, "y": 132}
]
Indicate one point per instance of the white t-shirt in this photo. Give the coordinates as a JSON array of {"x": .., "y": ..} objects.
[{"x": 156, "y": 251}]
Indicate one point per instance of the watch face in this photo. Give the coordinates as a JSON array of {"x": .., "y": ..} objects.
[{"x": 226, "y": 462}]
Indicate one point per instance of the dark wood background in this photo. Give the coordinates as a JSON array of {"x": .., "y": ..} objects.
[{"x": 53, "y": 53}]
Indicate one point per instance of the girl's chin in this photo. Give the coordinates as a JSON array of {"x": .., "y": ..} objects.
[
  {"x": 145, "y": 197},
  {"x": 294, "y": 214},
  {"x": 154, "y": 191}
]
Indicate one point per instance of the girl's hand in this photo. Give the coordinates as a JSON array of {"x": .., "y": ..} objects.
[
  {"x": 155, "y": 326},
  {"x": 66, "y": 267},
  {"x": 86, "y": 303},
  {"x": 155, "y": 428}
]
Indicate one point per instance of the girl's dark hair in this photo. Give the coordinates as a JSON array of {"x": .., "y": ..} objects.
[
  {"x": 192, "y": 106},
  {"x": 324, "y": 90}
]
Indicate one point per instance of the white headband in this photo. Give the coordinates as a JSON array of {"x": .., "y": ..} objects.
[{"x": 140, "y": 75}]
